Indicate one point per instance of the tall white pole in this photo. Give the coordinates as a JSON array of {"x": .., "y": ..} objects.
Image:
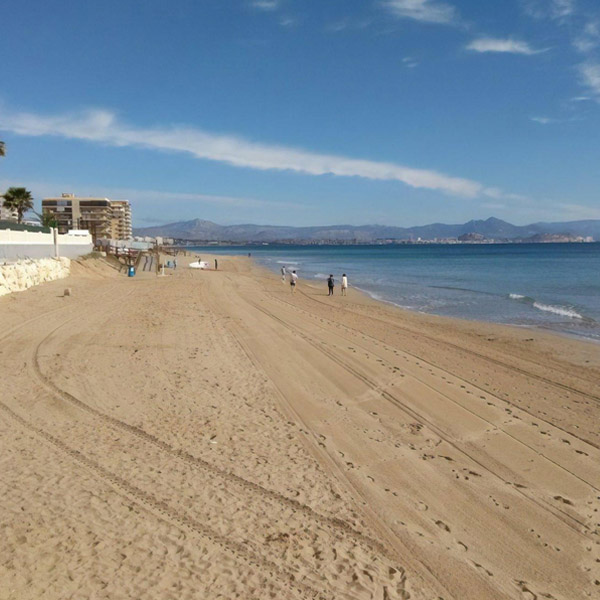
[{"x": 54, "y": 231}]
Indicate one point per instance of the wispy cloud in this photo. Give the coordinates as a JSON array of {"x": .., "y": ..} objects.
[
  {"x": 582, "y": 23},
  {"x": 562, "y": 8},
  {"x": 287, "y": 21},
  {"x": 266, "y": 5},
  {"x": 102, "y": 126},
  {"x": 589, "y": 38},
  {"x": 151, "y": 201},
  {"x": 579, "y": 211},
  {"x": 426, "y": 11},
  {"x": 553, "y": 9},
  {"x": 347, "y": 23},
  {"x": 589, "y": 73},
  {"x": 543, "y": 120},
  {"x": 410, "y": 62},
  {"x": 509, "y": 46}
]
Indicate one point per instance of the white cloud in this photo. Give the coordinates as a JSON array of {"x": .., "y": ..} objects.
[
  {"x": 562, "y": 8},
  {"x": 348, "y": 23},
  {"x": 543, "y": 120},
  {"x": 589, "y": 74},
  {"x": 553, "y": 9},
  {"x": 287, "y": 21},
  {"x": 510, "y": 46},
  {"x": 589, "y": 38},
  {"x": 102, "y": 126},
  {"x": 266, "y": 5},
  {"x": 410, "y": 62},
  {"x": 147, "y": 200},
  {"x": 427, "y": 11},
  {"x": 579, "y": 212}
]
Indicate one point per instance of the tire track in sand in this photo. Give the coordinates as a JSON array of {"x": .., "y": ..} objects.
[
  {"x": 331, "y": 524},
  {"x": 563, "y": 516},
  {"x": 177, "y": 518}
]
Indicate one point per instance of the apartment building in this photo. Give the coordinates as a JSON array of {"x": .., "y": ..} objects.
[
  {"x": 103, "y": 218},
  {"x": 121, "y": 220}
]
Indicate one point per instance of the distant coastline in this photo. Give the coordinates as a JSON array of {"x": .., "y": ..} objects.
[
  {"x": 388, "y": 242},
  {"x": 489, "y": 231}
]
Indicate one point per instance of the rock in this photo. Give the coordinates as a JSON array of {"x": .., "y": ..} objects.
[{"x": 24, "y": 274}]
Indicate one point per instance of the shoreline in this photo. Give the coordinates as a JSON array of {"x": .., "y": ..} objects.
[
  {"x": 540, "y": 313},
  {"x": 371, "y": 296},
  {"x": 210, "y": 432}
]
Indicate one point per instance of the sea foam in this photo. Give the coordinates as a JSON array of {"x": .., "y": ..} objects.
[{"x": 563, "y": 311}]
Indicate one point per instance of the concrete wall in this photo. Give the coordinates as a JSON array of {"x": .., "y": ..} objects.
[
  {"x": 24, "y": 274},
  {"x": 15, "y": 245}
]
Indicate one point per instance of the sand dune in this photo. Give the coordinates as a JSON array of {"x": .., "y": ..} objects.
[{"x": 209, "y": 435}]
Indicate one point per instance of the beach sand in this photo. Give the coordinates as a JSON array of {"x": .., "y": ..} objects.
[{"x": 210, "y": 435}]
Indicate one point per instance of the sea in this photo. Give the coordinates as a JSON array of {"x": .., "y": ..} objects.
[{"x": 550, "y": 286}]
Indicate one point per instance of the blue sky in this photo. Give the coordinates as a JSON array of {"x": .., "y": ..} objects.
[{"x": 307, "y": 111}]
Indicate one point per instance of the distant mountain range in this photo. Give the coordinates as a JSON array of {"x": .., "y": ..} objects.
[{"x": 492, "y": 228}]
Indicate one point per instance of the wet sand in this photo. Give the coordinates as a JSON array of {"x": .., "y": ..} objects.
[{"x": 210, "y": 435}]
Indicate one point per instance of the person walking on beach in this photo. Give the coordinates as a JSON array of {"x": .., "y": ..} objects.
[
  {"x": 282, "y": 273},
  {"x": 174, "y": 263},
  {"x": 344, "y": 285},
  {"x": 293, "y": 280},
  {"x": 330, "y": 284},
  {"x": 216, "y": 265}
]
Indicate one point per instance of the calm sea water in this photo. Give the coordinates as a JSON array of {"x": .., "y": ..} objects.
[{"x": 556, "y": 286}]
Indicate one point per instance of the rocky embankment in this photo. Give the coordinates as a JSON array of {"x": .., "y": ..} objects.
[{"x": 21, "y": 275}]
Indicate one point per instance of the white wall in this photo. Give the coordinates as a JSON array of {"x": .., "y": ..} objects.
[{"x": 16, "y": 245}]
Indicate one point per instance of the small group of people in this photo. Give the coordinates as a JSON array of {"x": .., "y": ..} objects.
[
  {"x": 331, "y": 284},
  {"x": 293, "y": 278},
  {"x": 330, "y": 281}
]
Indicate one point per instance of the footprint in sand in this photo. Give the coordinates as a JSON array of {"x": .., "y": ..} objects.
[
  {"x": 446, "y": 458},
  {"x": 482, "y": 569},
  {"x": 563, "y": 500},
  {"x": 442, "y": 525}
]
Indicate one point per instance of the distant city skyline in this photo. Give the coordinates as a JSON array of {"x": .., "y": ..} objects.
[{"x": 394, "y": 112}]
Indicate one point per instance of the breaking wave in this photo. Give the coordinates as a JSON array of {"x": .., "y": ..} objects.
[
  {"x": 559, "y": 310},
  {"x": 563, "y": 311}
]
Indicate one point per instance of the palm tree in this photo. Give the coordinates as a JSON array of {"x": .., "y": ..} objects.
[
  {"x": 47, "y": 219},
  {"x": 2, "y": 149},
  {"x": 18, "y": 199}
]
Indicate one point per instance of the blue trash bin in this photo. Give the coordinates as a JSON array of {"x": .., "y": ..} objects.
[{"x": 131, "y": 272}]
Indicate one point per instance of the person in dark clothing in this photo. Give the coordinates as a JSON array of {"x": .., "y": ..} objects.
[
  {"x": 216, "y": 264},
  {"x": 330, "y": 284}
]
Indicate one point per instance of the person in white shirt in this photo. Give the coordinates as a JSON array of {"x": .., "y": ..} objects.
[
  {"x": 344, "y": 284},
  {"x": 293, "y": 280},
  {"x": 282, "y": 273}
]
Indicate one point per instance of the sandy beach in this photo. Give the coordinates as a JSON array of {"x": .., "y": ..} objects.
[{"x": 210, "y": 435}]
